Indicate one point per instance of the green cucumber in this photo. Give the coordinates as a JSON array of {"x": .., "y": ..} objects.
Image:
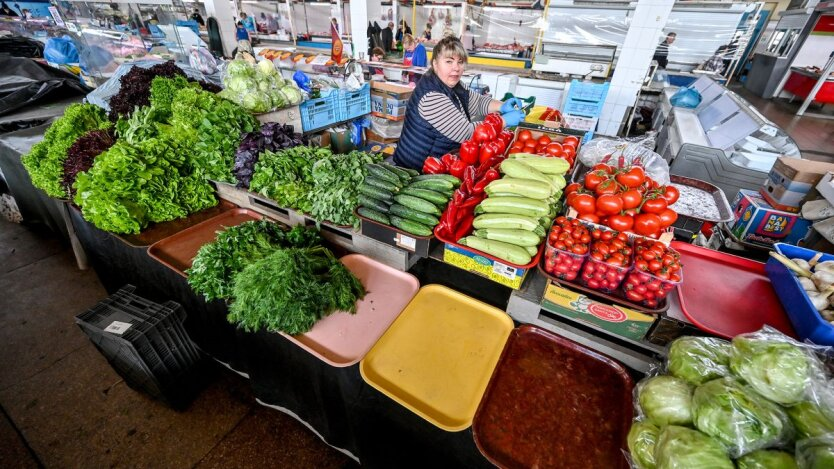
[
  {"x": 435, "y": 184},
  {"x": 411, "y": 172},
  {"x": 372, "y": 214},
  {"x": 382, "y": 183},
  {"x": 434, "y": 197},
  {"x": 417, "y": 203},
  {"x": 410, "y": 226},
  {"x": 376, "y": 193},
  {"x": 401, "y": 173},
  {"x": 446, "y": 177},
  {"x": 372, "y": 203},
  {"x": 414, "y": 215},
  {"x": 382, "y": 173}
]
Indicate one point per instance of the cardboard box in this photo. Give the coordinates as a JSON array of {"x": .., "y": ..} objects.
[
  {"x": 372, "y": 136},
  {"x": 389, "y": 105},
  {"x": 790, "y": 182},
  {"x": 496, "y": 271},
  {"x": 759, "y": 223},
  {"x": 391, "y": 87},
  {"x": 782, "y": 199},
  {"x": 826, "y": 187},
  {"x": 615, "y": 319}
]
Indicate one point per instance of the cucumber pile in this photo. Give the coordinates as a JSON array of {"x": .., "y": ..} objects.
[
  {"x": 404, "y": 199},
  {"x": 512, "y": 221}
]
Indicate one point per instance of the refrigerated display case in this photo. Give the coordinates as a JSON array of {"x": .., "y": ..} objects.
[
  {"x": 501, "y": 31},
  {"x": 273, "y": 19},
  {"x": 312, "y": 22},
  {"x": 437, "y": 19}
]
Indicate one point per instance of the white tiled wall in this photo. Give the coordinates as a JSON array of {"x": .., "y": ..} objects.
[{"x": 644, "y": 34}]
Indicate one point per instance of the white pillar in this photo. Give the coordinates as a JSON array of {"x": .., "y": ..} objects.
[
  {"x": 642, "y": 38},
  {"x": 359, "y": 29},
  {"x": 223, "y": 12}
]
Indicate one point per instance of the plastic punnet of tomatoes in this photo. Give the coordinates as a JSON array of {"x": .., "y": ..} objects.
[
  {"x": 656, "y": 271},
  {"x": 567, "y": 248},
  {"x": 609, "y": 261},
  {"x": 550, "y": 144}
]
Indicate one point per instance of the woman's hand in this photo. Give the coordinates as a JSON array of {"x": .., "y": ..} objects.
[
  {"x": 511, "y": 105},
  {"x": 512, "y": 118}
]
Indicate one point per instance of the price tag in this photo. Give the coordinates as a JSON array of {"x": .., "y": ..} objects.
[
  {"x": 320, "y": 60},
  {"x": 56, "y": 16},
  {"x": 406, "y": 242},
  {"x": 504, "y": 270},
  {"x": 117, "y": 327},
  {"x": 769, "y": 130}
]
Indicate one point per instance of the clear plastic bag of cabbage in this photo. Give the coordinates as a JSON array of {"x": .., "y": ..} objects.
[
  {"x": 815, "y": 416},
  {"x": 776, "y": 366},
  {"x": 685, "y": 448},
  {"x": 293, "y": 94},
  {"x": 642, "y": 438},
  {"x": 665, "y": 400},
  {"x": 738, "y": 417},
  {"x": 766, "y": 459},
  {"x": 240, "y": 67},
  {"x": 256, "y": 101},
  {"x": 816, "y": 453},
  {"x": 697, "y": 360}
]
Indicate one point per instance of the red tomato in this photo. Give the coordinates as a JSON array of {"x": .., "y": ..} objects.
[
  {"x": 572, "y": 187},
  {"x": 571, "y": 139},
  {"x": 634, "y": 177},
  {"x": 609, "y": 204},
  {"x": 524, "y": 135},
  {"x": 620, "y": 222},
  {"x": 593, "y": 179},
  {"x": 569, "y": 150},
  {"x": 517, "y": 145},
  {"x": 584, "y": 204},
  {"x": 530, "y": 147},
  {"x": 544, "y": 140},
  {"x": 603, "y": 167},
  {"x": 631, "y": 199},
  {"x": 667, "y": 217},
  {"x": 553, "y": 149},
  {"x": 607, "y": 187},
  {"x": 656, "y": 205},
  {"x": 589, "y": 217},
  {"x": 671, "y": 194},
  {"x": 646, "y": 224}
]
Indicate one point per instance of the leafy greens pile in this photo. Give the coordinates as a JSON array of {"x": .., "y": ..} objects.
[
  {"x": 336, "y": 186},
  {"x": 286, "y": 176},
  {"x": 272, "y": 137},
  {"x": 291, "y": 289},
  {"x": 45, "y": 161},
  {"x": 755, "y": 400},
  {"x": 83, "y": 152}
]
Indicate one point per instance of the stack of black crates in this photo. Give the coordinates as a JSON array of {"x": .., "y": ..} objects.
[{"x": 146, "y": 343}]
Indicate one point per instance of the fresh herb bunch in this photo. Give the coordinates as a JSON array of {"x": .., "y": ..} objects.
[
  {"x": 213, "y": 270},
  {"x": 135, "y": 88},
  {"x": 287, "y": 176},
  {"x": 270, "y": 137},
  {"x": 336, "y": 186},
  {"x": 291, "y": 289},
  {"x": 83, "y": 152},
  {"x": 45, "y": 161}
]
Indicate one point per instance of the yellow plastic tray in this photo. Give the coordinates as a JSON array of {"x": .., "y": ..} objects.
[{"x": 438, "y": 356}]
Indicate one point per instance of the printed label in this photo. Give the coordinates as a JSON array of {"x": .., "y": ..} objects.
[
  {"x": 406, "y": 242},
  {"x": 117, "y": 327},
  {"x": 607, "y": 313},
  {"x": 56, "y": 16},
  {"x": 769, "y": 130},
  {"x": 504, "y": 270}
]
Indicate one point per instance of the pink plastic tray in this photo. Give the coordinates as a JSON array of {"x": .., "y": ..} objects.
[{"x": 343, "y": 339}]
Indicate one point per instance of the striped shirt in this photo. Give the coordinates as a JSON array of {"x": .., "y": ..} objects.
[{"x": 439, "y": 111}]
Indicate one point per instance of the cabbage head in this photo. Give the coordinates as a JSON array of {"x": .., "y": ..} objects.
[
  {"x": 697, "y": 360},
  {"x": 778, "y": 370},
  {"x": 266, "y": 67},
  {"x": 738, "y": 417},
  {"x": 642, "y": 438},
  {"x": 666, "y": 400},
  {"x": 263, "y": 85},
  {"x": 256, "y": 102},
  {"x": 232, "y": 96},
  {"x": 293, "y": 94},
  {"x": 684, "y": 448},
  {"x": 766, "y": 459},
  {"x": 240, "y": 68},
  {"x": 811, "y": 419},
  {"x": 278, "y": 99},
  {"x": 240, "y": 84},
  {"x": 816, "y": 453}
]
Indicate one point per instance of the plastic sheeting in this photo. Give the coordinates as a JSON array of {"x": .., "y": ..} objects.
[{"x": 25, "y": 82}]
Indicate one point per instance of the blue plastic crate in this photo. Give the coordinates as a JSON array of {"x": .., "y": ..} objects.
[
  {"x": 353, "y": 104},
  {"x": 320, "y": 112},
  {"x": 680, "y": 80},
  {"x": 806, "y": 320}
]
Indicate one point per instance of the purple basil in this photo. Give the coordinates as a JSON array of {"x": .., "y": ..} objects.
[
  {"x": 83, "y": 152},
  {"x": 272, "y": 136}
]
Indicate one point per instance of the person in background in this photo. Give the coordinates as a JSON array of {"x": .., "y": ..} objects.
[
  {"x": 662, "y": 52},
  {"x": 198, "y": 18},
  {"x": 241, "y": 34},
  {"x": 387, "y": 37},
  {"x": 427, "y": 32},
  {"x": 248, "y": 22},
  {"x": 402, "y": 30},
  {"x": 377, "y": 55},
  {"x": 6, "y": 11},
  {"x": 26, "y": 13},
  {"x": 414, "y": 53},
  {"x": 441, "y": 113}
]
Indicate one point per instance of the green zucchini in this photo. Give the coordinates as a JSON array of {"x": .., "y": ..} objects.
[
  {"x": 532, "y": 250},
  {"x": 372, "y": 214},
  {"x": 435, "y": 184},
  {"x": 417, "y": 203},
  {"x": 505, "y": 251},
  {"x": 434, "y": 197},
  {"x": 521, "y": 238},
  {"x": 376, "y": 193},
  {"x": 515, "y": 205},
  {"x": 382, "y": 173},
  {"x": 506, "y": 221},
  {"x": 401, "y": 173},
  {"x": 520, "y": 187},
  {"x": 446, "y": 177},
  {"x": 382, "y": 183},
  {"x": 372, "y": 203},
  {"x": 414, "y": 215},
  {"x": 410, "y": 226}
]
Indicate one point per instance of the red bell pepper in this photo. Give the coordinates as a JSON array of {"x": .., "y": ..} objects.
[
  {"x": 496, "y": 121},
  {"x": 491, "y": 175},
  {"x": 433, "y": 165},
  {"x": 486, "y": 165},
  {"x": 468, "y": 179},
  {"x": 507, "y": 136},
  {"x": 469, "y": 151},
  {"x": 464, "y": 226},
  {"x": 471, "y": 202},
  {"x": 484, "y": 133},
  {"x": 457, "y": 168},
  {"x": 447, "y": 160},
  {"x": 488, "y": 150}
]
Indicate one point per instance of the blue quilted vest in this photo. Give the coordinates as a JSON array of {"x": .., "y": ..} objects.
[{"x": 419, "y": 139}]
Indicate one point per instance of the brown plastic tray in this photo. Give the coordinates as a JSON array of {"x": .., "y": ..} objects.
[
  {"x": 662, "y": 307},
  {"x": 159, "y": 231},
  {"x": 177, "y": 251},
  {"x": 554, "y": 403}
]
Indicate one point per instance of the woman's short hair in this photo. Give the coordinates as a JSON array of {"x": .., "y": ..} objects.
[
  {"x": 449, "y": 46},
  {"x": 378, "y": 51},
  {"x": 408, "y": 40}
]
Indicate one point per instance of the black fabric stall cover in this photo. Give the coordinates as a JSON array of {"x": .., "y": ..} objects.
[
  {"x": 26, "y": 81},
  {"x": 17, "y": 46}
]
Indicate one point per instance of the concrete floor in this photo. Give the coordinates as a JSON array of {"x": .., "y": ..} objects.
[{"x": 63, "y": 406}]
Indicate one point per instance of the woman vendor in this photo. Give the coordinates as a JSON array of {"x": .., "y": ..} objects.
[{"x": 441, "y": 113}]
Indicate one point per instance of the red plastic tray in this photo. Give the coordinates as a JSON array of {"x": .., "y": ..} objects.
[
  {"x": 533, "y": 261},
  {"x": 727, "y": 295}
]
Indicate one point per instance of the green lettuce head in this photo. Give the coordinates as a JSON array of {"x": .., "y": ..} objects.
[
  {"x": 766, "y": 459},
  {"x": 697, "y": 360},
  {"x": 811, "y": 419},
  {"x": 681, "y": 447},
  {"x": 776, "y": 369},
  {"x": 666, "y": 400},
  {"x": 642, "y": 438},
  {"x": 816, "y": 453},
  {"x": 736, "y": 416}
]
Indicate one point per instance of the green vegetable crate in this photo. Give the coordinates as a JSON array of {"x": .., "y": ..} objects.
[
  {"x": 480, "y": 263},
  {"x": 418, "y": 245}
]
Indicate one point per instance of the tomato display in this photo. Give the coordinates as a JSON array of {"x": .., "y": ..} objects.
[
  {"x": 657, "y": 271},
  {"x": 609, "y": 261},
  {"x": 567, "y": 248}
]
